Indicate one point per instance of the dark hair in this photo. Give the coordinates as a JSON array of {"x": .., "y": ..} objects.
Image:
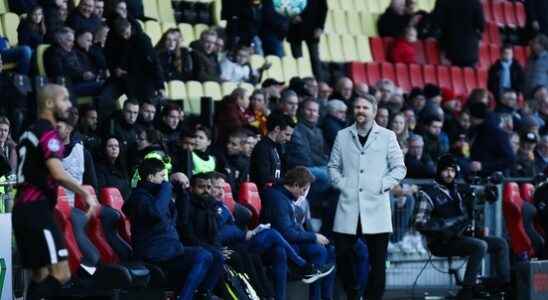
[
  {"x": 120, "y": 163},
  {"x": 169, "y": 108},
  {"x": 203, "y": 129},
  {"x": 279, "y": 120},
  {"x": 120, "y": 25},
  {"x": 186, "y": 133},
  {"x": 150, "y": 166},
  {"x": 299, "y": 176},
  {"x": 240, "y": 134},
  {"x": 154, "y": 137},
  {"x": 216, "y": 176},
  {"x": 506, "y": 46},
  {"x": 130, "y": 102},
  {"x": 199, "y": 176}
]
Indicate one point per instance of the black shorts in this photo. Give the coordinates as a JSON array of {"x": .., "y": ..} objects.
[{"x": 39, "y": 240}]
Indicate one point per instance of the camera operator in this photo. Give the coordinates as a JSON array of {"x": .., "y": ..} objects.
[{"x": 446, "y": 219}]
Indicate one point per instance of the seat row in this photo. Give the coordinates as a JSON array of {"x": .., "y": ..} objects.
[
  {"x": 504, "y": 13},
  {"x": 374, "y": 6},
  {"x": 459, "y": 80},
  {"x": 351, "y": 22},
  {"x": 489, "y": 54}
]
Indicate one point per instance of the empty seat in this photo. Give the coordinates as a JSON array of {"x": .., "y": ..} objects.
[
  {"x": 484, "y": 58},
  {"x": 420, "y": 52},
  {"x": 257, "y": 61},
  {"x": 402, "y": 77},
  {"x": 10, "y": 22},
  {"x": 325, "y": 54},
  {"x": 339, "y": 21},
  {"x": 494, "y": 53},
  {"x": 154, "y": 31},
  {"x": 369, "y": 23},
  {"x": 498, "y": 12},
  {"x": 510, "y": 14},
  {"x": 470, "y": 80},
  {"x": 335, "y": 47},
  {"x": 276, "y": 70},
  {"x": 165, "y": 10},
  {"x": 364, "y": 51},
  {"x": 387, "y": 44},
  {"x": 40, "y": 59},
  {"x": 373, "y": 70},
  {"x": 487, "y": 10},
  {"x": 527, "y": 190},
  {"x": 247, "y": 86},
  {"x": 150, "y": 8},
  {"x": 353, "y": 20},
  {"x": 228, "y": 198},
  {"x": 249, "y": 196},
  {"x": 356, "y": 71},
  {"x": 188, "y": 33},
  {"x": 176, "y": 90},
  {"x": 360, "y": 5},
  {"x": 521, "y": 16},
  {"x": 198, "y": 29},
  {"x": 415, "y": 75},
  {"x": 512, "y": 204},
  {"x": 494, "y": 34},
  {"x": 388, "y": 72},
  {"x": 212, "y": 89},
  {"x": 194, "y": 93},
  {"x": 111, "y": 197},
  {"x": 432, "y": 52},
  {"x": 349, "y": 48},
  {"x": 165, "y": 26},
  {"x": 481, "y": 74},
  {"x": 290, "y": 67},
  {"x": 444, "y": 79},
  {"x": 457, "y": 81},
  {"x": 520, "y": 55},
  {"x": 429, "y": 74},
  {"x": 347, "y": 5},
  {"x": 228, "y": 87},
  {"x": 62, "y": 217},
  {"x": 377, "y": 49},
  {"x": 305, "y": 67}
]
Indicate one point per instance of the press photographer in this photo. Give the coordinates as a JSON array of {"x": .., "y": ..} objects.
[{"x": 445, "y": 217}]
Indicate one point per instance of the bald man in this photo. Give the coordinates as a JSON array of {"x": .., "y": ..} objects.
[
  {"x": 39, "y": 173},
  {"x": 344, "y": 89}
]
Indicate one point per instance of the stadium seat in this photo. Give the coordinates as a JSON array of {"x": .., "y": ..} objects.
[
  {"x": 432, "y": 52},
  {"x": 290, "y": 67},
  {"x": 481, "y": 74},
  {"x": 520, "y": 55},
  {"x": 63, "y": 220},
  {"x": 521, "y": 16},
  {"x": 377, "y": 49},
  {"x": 176, "y": 91},
  {"x": 415, "y": 75},
  {"x": 369, "y": 23},
  {"x": 257, "y": 61},
  {"x": 276, "y": 70},
  {"x": 165, "y": 26},
  {"x": 151, "y": 9},
  {"x": 527, "y": 190},
  {"x": 512, "y": 203},
  {"x": 360, "y": 5},
  {"x": 429, "y": 74},
  {"x": 444, "y": 78},
  {"x": 194, "y": 93},
  {"x": 470, "y": 80},
  {"x": 457, "y": 81},
  {"x": 329, "y": 26},
  {"x": 3, "y": 6},
  {"x": 154, "y": 31},
  {"x": 111, "y": 197},
  {"x": 10, "y": 22},
  {"x": 388, "y": 72},
  {"x": 364, "y": 51},
  {"x": 188, "y": 33},
  {"x": 356, "y": 71},
  {"x": 402, "y": 77},
  {"x": 373, "y": 72},
  {"x": 305, "y": 68},
  {"x": 484, "y": 58},
  {"x": 347, "y": 5},
  {"x": 485, "y": 37},
  {"x": 349, "y": 48},
  {"x": 387, "y": 44},
  {"x": 40, "y": 59},
  {"x": 494, "y": 34},
  {"x": 198, "y": 29},
  {"x": 228, "y": 198},
  {"x": 228, "y": 87},
  {"x": 249, "y": 196},
  {"x": 247, "y": 86},
  {"x": 339, "y": 21},
  {"x": 335, "y": 47},
  {"x": 420, "y": 52},
  {"x": 165, "y": 10},
  {"x": 213, "y": 89},
  {"x": 487, "y": 10},
  {"x": 383, "y": 5},
  {"x": 494, "y": 53},
  {"x": 510, "y": 14},
  {"x": 498, "y": 12},
  {"x": 353, "y": 20},
  {"x": 334, "y": 4}
]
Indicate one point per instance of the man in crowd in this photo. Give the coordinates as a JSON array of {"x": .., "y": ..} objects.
[
  {"x": 122, "y": 125},
  {"x": 418, "y": 163},
  {"x": 84, "y": 18}
]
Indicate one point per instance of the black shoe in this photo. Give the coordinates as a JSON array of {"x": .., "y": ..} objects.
[{"x": 312, "y": 273}]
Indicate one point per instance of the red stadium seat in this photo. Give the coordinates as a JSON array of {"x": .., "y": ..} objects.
[
  {"x": 482, "y": 78},
  {"x": 444, "y": 79},
  {"x": 377, "y": 49},
  {"x": 498, "y": 12},
  {"x": 512, "y": 208},
  {"x": 470, "y": 80},
  {"x": 95, "y": 229},
  {"x": 527, "y": 190},
  {"x": 494, "y": 34},
  {"x": 420, "y": 52},
  {"x": 432, "y": 51},
  {"x": 356, "y": 71},
  {"x": 387, "y": 45},
  {"x": 494, "y": 53},
  {"x": 373, "y": 72},
  {"x": 249, "y": 196},
  {"x": 402, "y": 77},
  {"x": 112, "y": 197},
  {"x": 415, "y": 74},
  {"x": 510, "y": 14},
  {"x": 487, "y": 10},
  {"x": 521, "y": 16},
  {"x": 484, "y": 59},
  {"x": 457, "y": 80},
  {"x": 388, "y": 72},
  {"x": 429, "y": 74},
  {"x": 228, "y": 199},
  {"x": 63, "y": 219},
  {"x": 485, "y": 37},
  {"x": 520, "y": 55}
]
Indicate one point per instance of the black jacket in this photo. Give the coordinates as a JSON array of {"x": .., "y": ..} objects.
[
  {"x": 198, "y": 223},
  {"x": 61, "y": 63},
  {"x": 537, "y": 10},
  {"x": 274, "y": 24},
  {"x": 78, "y": 22},
  {"x": 170, "y": 71},
  {"x": 206, "y": 66},
  {"x": 420, "y": 168},
  {"x": 27, "y": 36},
  {"x": 313, "y": 17},
  {"x": 110, "y": 176},
  {"x": 391, "y": 24},
  {"x": 330, "y": 127},
  {"x": 266, "y": 165},
  {"x": 516, "y": 77}
]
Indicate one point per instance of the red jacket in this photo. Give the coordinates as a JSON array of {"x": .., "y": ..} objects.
[{"x": 403, "y": 52}]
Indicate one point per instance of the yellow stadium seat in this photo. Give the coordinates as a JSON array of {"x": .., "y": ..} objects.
[
  {"x": 305, "y": 68},
  {"x": 329, "y": 26},
  {"x": 84, "y": 100},
  {"x": 334, "y": 4},
  {"x": 121, "y": 101},
  {"x": 287, "y": 48},
  {"x": 153, "y": 30},
  {"x": 369, "y": 23},
  {"x": 256, "y": 61},
  {"x": 40, "y": 59},
  {"x": 335, "y": 47},
  {"x": 325, "y": 54},
  {"x": 347, "y": 5},
  {"x": 167, "y": 25},
  {"x": 213, "y": 89},
  {"x": 373, "y": 6},
  {"x": 383, "y": 5},
  {"x": 364, "y": 51},
  {"x": 248, "y": 87},
  {"x": 350, "y": 51},
  {"x": 276, "y": 70},
  {"x": 354, "y": 22},
  {"x": 10, "y": 22},
  {"x": 165, "y": 10},
  {"x": 290, "y": 67},
  {"x": 360, "y": 5},
  {"x": 176, "y": 90},
  {"x": 151, "y": 9},
  {"x": 3, "y": 6},
  {"x": 198, "y": 29},
  {"x": 339, "y": 21},
  {"x": 228, "y": 87},
  {"x": 194, "y": 93},
  {"x": 217, "y": 7},
  {"x": 188, "y": 33}
]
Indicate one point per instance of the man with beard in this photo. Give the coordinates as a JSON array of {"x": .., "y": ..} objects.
[
  {"x": 39, "y": 241},
  {"x": 147, "y": 113},
  {"x": 445, "y": 219}
]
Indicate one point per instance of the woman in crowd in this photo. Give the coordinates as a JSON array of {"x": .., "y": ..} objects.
[
  {"x": 175, "y": 59},
  {"x": 111, "y": 168},
  {"x": 399, "y": 126},
  {"x": 32, "y": 29}
]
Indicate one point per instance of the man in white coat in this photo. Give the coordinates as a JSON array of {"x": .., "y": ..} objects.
[{"x": 366, "y": 162}]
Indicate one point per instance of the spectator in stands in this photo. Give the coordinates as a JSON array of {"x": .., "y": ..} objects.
[
  {"x": 536, "y": 69},
  {"x": 77, "y": 161},
  {"x": 442, "y": 205},
  {"x": 386, "y": 88},
  {"x": 361, "y": 89},
  {"x": 258, "y": 106},
  {"x": 266, "y": 164},
  {"x": 508, "y": 104},
  {"x": 181, "y": 152},
  {"x": 410, "y": 119},
  {"x": 149, "y": 145},
  {"x": 154, "y": 235},
  {"x": 250, "y": 143},
  {"x": 237, "y": 68},
  {"x": 333, "y": 122},
  {"x": 403, "y": 49},
  {"x": 537, "y": 15},
  {"x": 232, "y": 162},
  {"x": 308, "y": 27},
  {"x": 233, "y": 114},
  {"x": 416, "y": 99},
  {"x": 206, "y": 65},
  {"x": 134, "y": 64},
  {"x": 32, "y": 29},
  {"x": 244, "y": 20},
  {"x": 91, "y": 57},
  {"x": 175, "y": 59},
  {"x": 7, "y": 145},
  {"x": 119, "y": 10},
  {"x": 343, "y": 90},
  {"x": 202, "y": 160},
  {"x": 505, "y": 73},
  {"x": 147, "y": 115},
  {"x": 324, "y": 92},
  {"x": 431, "y": 134},
  {"x": 55, "y": 13},
  {"x": 460, "y": 41},
  {"x": 278, "y": 210},
  {"x": 290, "y": 104},
  {"x": 99, "y": 10},
  {"x": 18, "y": 54},
  {"x": 274, "y": 29},
  {"x": 491, "y": 144},
  {"x": 399, "y": 126},
  {"x": 515, "y": 142},
  {"x": 541, "y": 153},
  {"x": 122, "y": 125},
  {"x": 461, "y": 126},
  {"x": 136, "y": 9},
  {"x": 394, "y": 20},
  {"x": 88, "y": 129},
  {"x": 382, "y": 117},
  {"x": 419, "y": 164},
  {"x": 525, "y": 165},
  {"x": 112, "y": 169},
  {"x": 170, "y": 125},
  {"x": 539, "y": 106},
  {"x": 83, "y": 18}
]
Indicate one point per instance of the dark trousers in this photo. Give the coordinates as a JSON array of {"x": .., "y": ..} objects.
[
  {"x": 196, "y": 268},
  {"x": 476, "y": 249},
  {"x": 319, "y": 255},
  {"x": 251, "y": 264},
  {"x": 314, "y": 51},
  {"x": 350, "y": 254}
]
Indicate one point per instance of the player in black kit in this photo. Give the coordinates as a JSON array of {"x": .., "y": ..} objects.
[{"x": 39, "y": 172}]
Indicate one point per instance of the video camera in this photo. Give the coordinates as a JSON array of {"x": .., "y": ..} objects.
[{"x": 482, "y": 190}]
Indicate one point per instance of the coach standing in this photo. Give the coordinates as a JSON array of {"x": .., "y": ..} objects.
[{"x": 366, "y": 162}]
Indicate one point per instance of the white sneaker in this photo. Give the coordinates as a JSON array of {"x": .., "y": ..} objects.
[
  {"x": 406, "y": 247},
  {"x": 418, "y": 244},
  {"x": 392, "y": 249}
]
